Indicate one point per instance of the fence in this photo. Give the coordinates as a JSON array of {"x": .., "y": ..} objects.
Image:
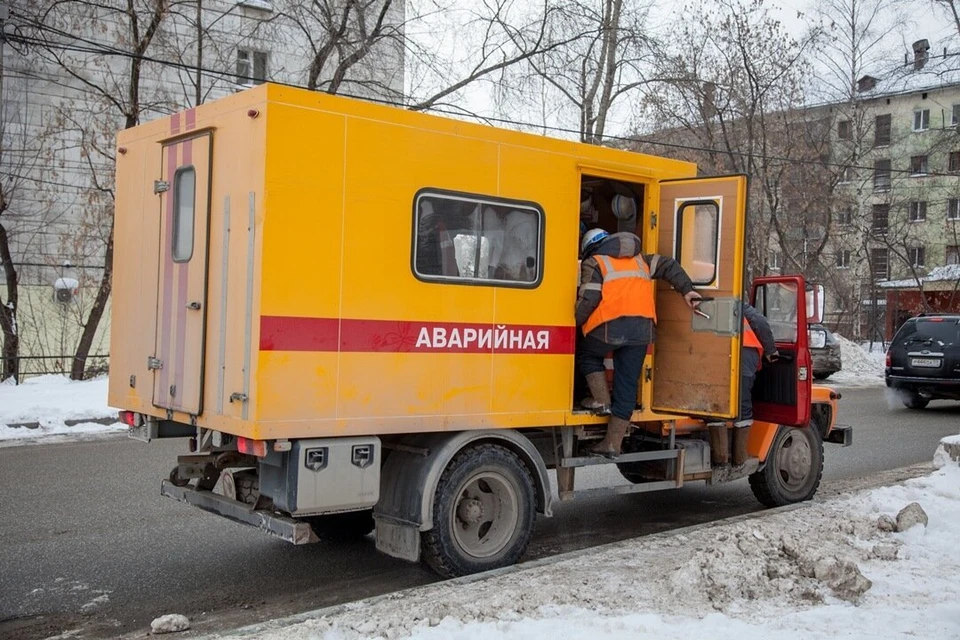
[{"x": 31, "y": 366}]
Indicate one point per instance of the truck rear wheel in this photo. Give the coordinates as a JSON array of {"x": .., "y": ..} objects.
[
  {"x": 483, "y": 512},
  {"x": 793, "y": 468}
]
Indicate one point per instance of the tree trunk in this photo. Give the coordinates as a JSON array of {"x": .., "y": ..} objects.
[
  {"x": 10, "y": 354},
  {"x": 79, "y": 366}
]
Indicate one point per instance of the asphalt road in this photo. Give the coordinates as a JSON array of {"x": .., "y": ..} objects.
[{"x": 90, "y": 546}]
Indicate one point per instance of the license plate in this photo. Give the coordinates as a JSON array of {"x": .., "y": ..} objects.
[{"x": 924, "y": 362}]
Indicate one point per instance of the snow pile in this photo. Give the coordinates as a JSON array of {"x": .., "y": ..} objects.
[
  {"x": 861, "y": 368},
  {"x": 53, "y": 401},
  {"x": 834, "y": 569}
]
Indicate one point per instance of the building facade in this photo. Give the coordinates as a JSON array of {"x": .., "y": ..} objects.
[{"x": 74, "y": 73}]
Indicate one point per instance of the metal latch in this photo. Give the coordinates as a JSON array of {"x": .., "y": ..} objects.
[
  {"x": 154, "y": 363},
  {"x": 194, "y": 306},
  {"x": 362, "y": 455},
  {"x": 159, "y": 186},
  {"x": 236, "y": 396}
]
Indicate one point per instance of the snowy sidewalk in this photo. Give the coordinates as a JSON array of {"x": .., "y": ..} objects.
[
  {"x": 54, "y": 405},
  {"x": 832, "y": 568}
]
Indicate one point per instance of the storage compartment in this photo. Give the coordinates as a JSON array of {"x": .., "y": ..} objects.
[{"x": 324, "y": 475}]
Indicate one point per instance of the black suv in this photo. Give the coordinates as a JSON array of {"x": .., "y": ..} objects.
[{"x": 923, "y": 361}]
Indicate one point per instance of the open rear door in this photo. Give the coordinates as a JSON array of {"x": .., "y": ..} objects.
[
  {"x": 696, "y": 358},
  {"x": 782, "y": 391}
]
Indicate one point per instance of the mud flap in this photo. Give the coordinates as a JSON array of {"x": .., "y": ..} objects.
[{"x": 398, "y": 539}]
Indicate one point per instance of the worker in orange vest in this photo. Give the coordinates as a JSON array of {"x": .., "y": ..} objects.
[
  {"x": 758, "y": 345},
  {"x": 616, "y": 312}
]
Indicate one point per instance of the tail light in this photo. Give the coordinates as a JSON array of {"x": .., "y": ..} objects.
[
  {"x": 888, "y": 359},
  {"x": 250, "y": 447},
  {"x": 130, "y": 418}
]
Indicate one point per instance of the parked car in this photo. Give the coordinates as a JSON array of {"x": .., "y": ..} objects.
[
  {"x": 923, "y": 361},
  {"x": 825, "y": 351}
]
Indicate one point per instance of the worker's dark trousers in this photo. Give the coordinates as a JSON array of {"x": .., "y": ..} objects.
[
  {"x": 749, "y": 360},
  {"x": 627, "y": 363}
]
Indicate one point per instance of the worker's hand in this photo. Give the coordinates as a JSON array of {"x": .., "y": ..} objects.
[{"x": 692, "y": 299}]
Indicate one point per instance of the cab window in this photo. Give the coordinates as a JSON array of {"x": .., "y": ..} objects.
[
  {"x": 477, "y": 240},
  {"x": 778, "y": 302}
]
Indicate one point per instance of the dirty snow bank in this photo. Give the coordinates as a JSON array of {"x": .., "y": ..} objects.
[
  {"x": 52, "y": 401},
  {"x": 826, "y": 569},
  {"x": 861, "y": 368}
]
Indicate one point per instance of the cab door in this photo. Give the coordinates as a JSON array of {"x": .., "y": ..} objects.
[
  {"x": 184, "y": 191},
  {"x": 782, "y": 391},
  {"x": 697, "y": 357}
]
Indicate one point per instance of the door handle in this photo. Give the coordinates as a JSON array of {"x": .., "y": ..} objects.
[{"x": 194, "y": 306}]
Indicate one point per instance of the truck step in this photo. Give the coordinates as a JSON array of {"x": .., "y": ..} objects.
[{"x": 642, "y": 456}]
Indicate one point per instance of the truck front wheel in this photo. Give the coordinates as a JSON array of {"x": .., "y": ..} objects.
[
  {"x": 793, "y": 468},
  {"x": 483, "y": 512}
]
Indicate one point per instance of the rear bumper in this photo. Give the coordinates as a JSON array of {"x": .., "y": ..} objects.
[
  {"x": 289, "y": 529},
  {"x": 937, "y": 387},
  {"x": 826, "y": 361}
]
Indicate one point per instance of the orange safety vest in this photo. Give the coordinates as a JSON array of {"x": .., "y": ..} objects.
[
  {"x": 627, "y": 290},
  {"x": 751, "y": 341}
]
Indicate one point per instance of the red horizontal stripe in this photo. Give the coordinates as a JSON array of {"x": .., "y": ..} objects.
[{"x": 285, "y": 333}]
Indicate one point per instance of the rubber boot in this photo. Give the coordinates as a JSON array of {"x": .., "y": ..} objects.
[
  {"x": 609, "y": 447},
  {"x": 719, "y": 446},
  {"x": 740, "y": 436},
  {"x": 599, "y": 400}
]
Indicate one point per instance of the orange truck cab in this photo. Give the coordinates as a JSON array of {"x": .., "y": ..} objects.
[{"x": 362, "y": 318}]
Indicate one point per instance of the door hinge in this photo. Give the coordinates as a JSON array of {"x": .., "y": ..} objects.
[
  {"x": 159, "y": 186},
  {"x": 154, "y": 363},
  {"x": 653, "y": 221}
]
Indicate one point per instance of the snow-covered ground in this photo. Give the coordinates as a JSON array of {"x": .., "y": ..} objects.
[
  {"x": 56, "y": 403},
  {"x": 826, "y": 569},
  {"x": 862, "y": 367}
]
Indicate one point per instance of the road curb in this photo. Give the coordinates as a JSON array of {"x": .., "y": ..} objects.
[{"x": 893, "y": 476}]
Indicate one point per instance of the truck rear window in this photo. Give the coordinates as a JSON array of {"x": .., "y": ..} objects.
[
  {"x": 477, "y": 239},
  {"x": 184, "y": 208},
  {"x": 946, "y": 331}
]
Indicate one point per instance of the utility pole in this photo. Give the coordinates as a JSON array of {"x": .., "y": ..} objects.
[{"x": 198, "y": 98}]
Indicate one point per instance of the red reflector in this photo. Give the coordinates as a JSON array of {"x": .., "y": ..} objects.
[
  {"x": 128, "y": 418},
  {"x": 252, "y": 447},
  {"x": 888, "y": 359}
]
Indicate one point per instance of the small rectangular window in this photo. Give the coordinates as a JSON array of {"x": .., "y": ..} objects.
[
  {"x": 845, "y": 176},
  {"x": 953, "y": 209},
  {"x": 881, "y": 175},
  {"x": 184, "y": 208},
  {"x": 843, "y": 259},
  {"x": 844, "y": 217},
  {"x": 776, "y": 261},
  {"x": 955, "y": 118},
  {"x": 917, "y": 211},
  {"x": 879, "y": 263},
  {"x": 461, "y": 237},
  {"x": 918, "y": 165},
  {"x": 921, "y": 119},
  {"x": 916, "y": 256},
  {"x": 843, "y": 130},
  {"x": 953, "y": 254},
  {"x": 881, "y": 131},
  {"x": 251, "y": 67},
  {"x": 953, "y": 161},
  {"x": 697, "y": 243},
  {"x": 881, "y": 219}
]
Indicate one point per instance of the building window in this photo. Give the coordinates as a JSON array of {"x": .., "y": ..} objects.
[
  {"x": 184, "y": 206},
  {"x": 846, "y": 176},
  {"x": 251, "y": 67},
  {"x": 953, "y": 254},
  {"x": 881, "y": 131},
  {"x": 263, "y": 5},
  {"x": 776, "y": 261},
  {"x": 844, "y": 131},
  {"x": 917, "y": 211},
  {"x": 879, "y": 264},
  {"x": 955, "y": 119},
  {"x": 881, "y": 175},
  {"x": 843, "y": 259},
  {"x": 921, "y": 119},
  {"x": 916, "y": 256},
  {"x": 460, "y": 237},
  {"x": 845, "y": 217},
  {"x": 918, "y": 165},
  {"x": 953, "y": 161},
  {"x": 881, "y": 219},
  {"x": 953, "y": 209}
]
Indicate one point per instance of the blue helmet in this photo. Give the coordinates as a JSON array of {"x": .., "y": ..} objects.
[{"x": 591, "y": 238}]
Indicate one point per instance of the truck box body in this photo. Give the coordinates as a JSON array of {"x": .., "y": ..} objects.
[{"x": 265, "y": 281}]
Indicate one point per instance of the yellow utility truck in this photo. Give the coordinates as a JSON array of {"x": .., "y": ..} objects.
[{"x": 362, "y": 319}]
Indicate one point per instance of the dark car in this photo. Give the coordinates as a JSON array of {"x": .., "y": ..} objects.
[
  {"x": 923, "y": 361},
  {"x": 825, "y": 351}
]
